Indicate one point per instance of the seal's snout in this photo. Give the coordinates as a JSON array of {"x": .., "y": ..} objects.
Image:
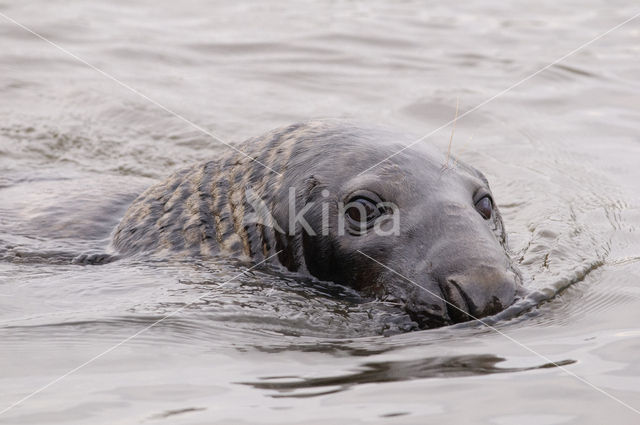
[{"x": 479, "y": 293}]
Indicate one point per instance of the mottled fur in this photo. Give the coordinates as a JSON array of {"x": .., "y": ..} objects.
[{"x": 200, "y": 209}]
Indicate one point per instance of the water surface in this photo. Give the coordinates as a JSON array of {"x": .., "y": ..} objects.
[{"x": 562, "y": 152}]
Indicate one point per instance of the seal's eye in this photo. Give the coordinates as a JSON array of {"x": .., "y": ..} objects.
[
  {"x": 362, "y": 211},
  {"x": 485, "y": 207}
]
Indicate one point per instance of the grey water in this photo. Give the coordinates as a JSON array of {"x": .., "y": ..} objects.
[{"x": 561, "y": 150}]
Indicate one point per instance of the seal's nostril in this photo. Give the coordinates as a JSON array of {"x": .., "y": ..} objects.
[{"x": 458, "y": 305}]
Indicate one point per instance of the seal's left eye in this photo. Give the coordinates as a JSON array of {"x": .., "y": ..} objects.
[{"x": 485, "y": 207}]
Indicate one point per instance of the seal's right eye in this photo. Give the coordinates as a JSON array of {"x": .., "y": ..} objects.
[{"x": 362, "y": 210}]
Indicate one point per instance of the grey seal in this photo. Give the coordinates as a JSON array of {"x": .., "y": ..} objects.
[{"x": 417, "y": 229}]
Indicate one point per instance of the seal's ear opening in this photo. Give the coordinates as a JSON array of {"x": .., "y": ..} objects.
[
  {"x": 312, "y": 184},
  {"x": 314, "y": 199}
]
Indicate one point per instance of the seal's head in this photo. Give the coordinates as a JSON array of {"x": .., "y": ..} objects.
[{"x": 417, "y": 228}]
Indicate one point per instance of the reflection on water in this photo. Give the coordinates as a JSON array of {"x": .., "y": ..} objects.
[
  {"x": 561, "y": 152},
  {"x": 380, "y": 372}
]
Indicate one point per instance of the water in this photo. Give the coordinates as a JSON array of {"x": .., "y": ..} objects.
[{"x": 561, "y": 151}]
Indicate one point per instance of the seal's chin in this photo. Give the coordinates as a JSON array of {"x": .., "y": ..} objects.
[
  {"x": 429, "y": 321},
  {"x": 428, "y": 309}
]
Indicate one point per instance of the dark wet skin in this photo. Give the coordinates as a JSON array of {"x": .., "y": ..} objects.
[{"x": 447, "y": 263}]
